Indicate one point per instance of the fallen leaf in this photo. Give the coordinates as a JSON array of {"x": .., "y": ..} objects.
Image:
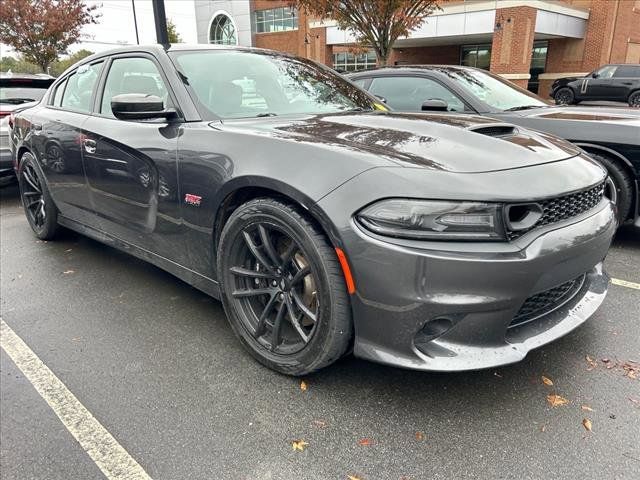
[
  {"x": 586, "y": 423},
  {"x": 547, "y": 381},
  {"x": 592, "y": 363},
  {"x": 67, "y": 250},
  {"x": 299, "y": 445},
  {"x": 303, "y": 385},
  {"x": 419, "y": 436},
  {"x": 365, "y": 442},
  {"x": 586, "y": 408},
  {"x": 353, "y": 477},
  {"x": 497, "y": 374},
  {"x": 543, "y": 428},
  {"x": 68, "y": 272},
  {"x": 634, "y": 400},
  {"x": 319, "y": 423},
  {"x": 556, "y": 400}
]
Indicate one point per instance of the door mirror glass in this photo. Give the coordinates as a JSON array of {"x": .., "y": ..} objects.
[
  {"x": 434, "y": 105},
  {"x": 139, "y": 106}
]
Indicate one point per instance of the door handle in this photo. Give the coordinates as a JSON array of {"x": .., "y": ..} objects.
[{"x": 89, "y": 145}]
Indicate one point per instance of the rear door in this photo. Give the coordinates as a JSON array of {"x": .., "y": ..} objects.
[
  {"x": 57, "y": 140},
  {"x": 625, "y": 79},
  {"x": 131, "y": 165}
]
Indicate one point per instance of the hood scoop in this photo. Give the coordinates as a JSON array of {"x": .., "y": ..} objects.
[{"x": 499, "y": 130}]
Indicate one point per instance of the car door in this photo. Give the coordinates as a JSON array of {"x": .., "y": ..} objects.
[
  {"x": 599, "y": 85},
  {"x": 57, "y": 138},
  {"x": 624, "y": 80},
  {"x": 131, "y": 165},
  {"x": 406, "y": 93}
]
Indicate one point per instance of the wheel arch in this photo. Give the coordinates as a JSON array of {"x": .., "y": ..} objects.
[
  {"x": 242, "y": 189},
  {"x": 635, "y": 90}
]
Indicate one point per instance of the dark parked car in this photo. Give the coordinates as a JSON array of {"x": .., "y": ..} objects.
[
  {"x": 615, "y": 83},
  {"x": 17, "y": 91},
  {"x": 322, "y": 221},
  {"x": 610, "y": 135}
]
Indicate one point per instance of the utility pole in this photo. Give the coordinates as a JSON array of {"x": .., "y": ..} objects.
[
  {"x": 135, "y": 21},
  {"x": 160, "y": 19}
]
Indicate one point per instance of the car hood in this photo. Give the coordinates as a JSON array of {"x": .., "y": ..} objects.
[
  {"x": 612, "y": 115},
  {"x": 465, "y": 144}
]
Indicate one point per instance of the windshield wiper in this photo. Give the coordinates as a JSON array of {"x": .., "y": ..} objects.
[
  {"x": 523, "y": 107},
  {"x": 267, "y": 114},
  {"x": 17, "y": 101}
]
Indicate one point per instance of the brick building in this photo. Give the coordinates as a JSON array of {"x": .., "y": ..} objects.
[{"x": 530, "y": 42}]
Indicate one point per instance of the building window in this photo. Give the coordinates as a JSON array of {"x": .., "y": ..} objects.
[
  {"x": 478, "y": 56},
  {"x": 275, "y": 20},
  {"x": 351, "y": 62},
  {"x": 222, "y": 30}
]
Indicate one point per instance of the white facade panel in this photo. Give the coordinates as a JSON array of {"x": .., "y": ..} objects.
[
  {"x": 238, "y": 10},
  {"x": 551, "y": 23}
]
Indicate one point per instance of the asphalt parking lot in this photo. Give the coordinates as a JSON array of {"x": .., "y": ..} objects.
[{"x": 155, "y": 362}]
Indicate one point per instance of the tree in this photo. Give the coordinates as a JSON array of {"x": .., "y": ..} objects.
[
  {"x": 17, "y": 65},
  {"x": 42, "y": 30},
  {"x": 174, "y": 36},
  {"x": 60, "y": 66},
  {"x": 376, "y": 24}
]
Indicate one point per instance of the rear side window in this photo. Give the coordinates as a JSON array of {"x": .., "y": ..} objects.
[
  {"x": 132, "y": 75},
  {"x": 407, "y": 94},
  {"x": 57, "y": 98},
  {"x": 627, "y": 71},
  {"x": 80, "y": 86}
]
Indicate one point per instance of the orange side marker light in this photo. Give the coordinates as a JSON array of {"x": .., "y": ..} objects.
[{"x": 342, "y": 258}]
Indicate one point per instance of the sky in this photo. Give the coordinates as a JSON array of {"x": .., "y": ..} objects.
[{"x": 116, "y": 26}]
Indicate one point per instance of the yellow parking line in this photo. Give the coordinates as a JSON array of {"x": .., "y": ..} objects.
[
  {"x": 624, "y": 283},
  {"x": 104, "y": 450}
]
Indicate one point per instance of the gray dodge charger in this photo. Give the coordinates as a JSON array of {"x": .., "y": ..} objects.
[{"x": 322, "y": 221}]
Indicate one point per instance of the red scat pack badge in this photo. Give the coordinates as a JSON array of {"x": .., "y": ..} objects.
[{"x": 191, "y": 199}]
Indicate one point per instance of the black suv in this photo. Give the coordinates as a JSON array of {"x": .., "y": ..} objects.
[{"x": 616, "y": 83}]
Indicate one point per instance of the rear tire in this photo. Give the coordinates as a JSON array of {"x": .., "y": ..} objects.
[
  {"x": 623, "y": 184},
  {"x": 39, "y": 208},
  {"x": 564, "y": 96},
  {"x": 634, "y": 99},
  {"x": 282, "y": 288}
]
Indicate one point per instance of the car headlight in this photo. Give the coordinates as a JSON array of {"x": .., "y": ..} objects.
[{"x": 434, "y": 219}]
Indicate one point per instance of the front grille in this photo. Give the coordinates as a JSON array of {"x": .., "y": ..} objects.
[
  {"x": 562, "y": 208},
  {"x": 545, "y": 302}
]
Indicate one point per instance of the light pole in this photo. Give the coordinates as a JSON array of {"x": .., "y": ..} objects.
[
  {"x": 135, "y": 21},
  {"x": 160, "y": 19}
]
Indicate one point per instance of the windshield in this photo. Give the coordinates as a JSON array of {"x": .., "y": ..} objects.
[
  {"x": 18, "y": 95},
  {"x": 241, "y": 84},
  {"x": 494, "y": 91}
]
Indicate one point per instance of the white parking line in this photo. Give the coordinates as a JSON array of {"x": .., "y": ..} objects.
[
  {"x": 624, "y": 283},
  {"x": 104, "y": 450}
]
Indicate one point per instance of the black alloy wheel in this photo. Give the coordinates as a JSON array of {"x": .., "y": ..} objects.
[
  {"x": 622, "y": 182},
  {"x": 634, "y": 99},
  {"x": 41, "y": 213},
  {"x": 282, "y": 288},
  {"x": 564, "y": 96}
]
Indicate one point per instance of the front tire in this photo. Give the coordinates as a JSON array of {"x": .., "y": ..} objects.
[
  {"x": 39, "y": 208},
  {"x": 564, "y": 96},
  {"x": 634, "y": 99},
  {"x": 282, "y": 288},
  {"x": 622, "y": 182}
]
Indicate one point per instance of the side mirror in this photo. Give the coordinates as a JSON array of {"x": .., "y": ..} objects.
[
  {"x": 381, "y": 98},
  {"x": 595, "y": 75},
  {"x": 139, "y": 106},
  {"x": 434, "y": 105}
]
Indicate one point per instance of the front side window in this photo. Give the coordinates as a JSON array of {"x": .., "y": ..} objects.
[
  {"x": 408, "y": 93},
  {"x": 222, "y": 31},
  {"x": 607, "y": 71},
  {"x": 132, "y": 75},
  {"x": 238, "y": 84},
  {"x": 275, "y": 20},
  {"x": 493, "y": 90},
  {"x": 80, "y": 86}
]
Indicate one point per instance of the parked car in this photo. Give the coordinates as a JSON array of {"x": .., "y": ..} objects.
[
  {"x": 17, "y": 91},
  {"x": 610, "y": 135},
  {"x": 615, "y": 83},
  {"x": 322, "y": 221}
]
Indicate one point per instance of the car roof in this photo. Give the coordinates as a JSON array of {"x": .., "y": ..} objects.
[
  {"x": 417, "y": 68},
  {"x": 25, "y": 76}
]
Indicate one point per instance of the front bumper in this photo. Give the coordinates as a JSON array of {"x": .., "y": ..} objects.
[{"x": 477, "y": 290}]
